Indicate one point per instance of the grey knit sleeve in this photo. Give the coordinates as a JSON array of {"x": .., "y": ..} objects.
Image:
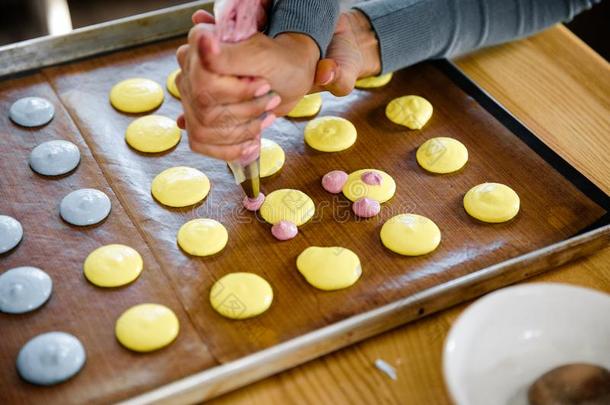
[
  {"x": 316, "y": 18},
  {"x": 410, "y": 31}
]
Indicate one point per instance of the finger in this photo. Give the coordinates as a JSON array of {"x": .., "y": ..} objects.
[
  {"x": 248, "y": 110},
  {"x": 194, "y": 34},
  {"x": 250, "y": 153},
  {"x": 179, "y": 79},
  {"x": 205, "y": 33},
  {"x": 225, "y": 132},
  {"x": 227, "y": 153},
  {"x": 205, "y": 41},
  {"x": 184, "y": 78},
  {"x": 285, "y": 108},
  {"x": 257, "y": 106},
  {"x": 202, "y": 17},
  {"x": 212, "y": 89},
  {"x": 181, "y": 54}
]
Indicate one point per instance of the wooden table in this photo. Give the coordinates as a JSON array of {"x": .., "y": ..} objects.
[{"x": 558, "y": 87}]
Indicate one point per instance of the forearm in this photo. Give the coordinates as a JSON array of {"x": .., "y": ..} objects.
[
  {"x": 314, "y": 18},
  {"x": 410, "y": 31}
]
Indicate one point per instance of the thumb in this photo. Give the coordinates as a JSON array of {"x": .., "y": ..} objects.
[
  {"x": 326, "y": 72},
  {"x": 337, "y": 78},
  {"x": 339, "y": 72}
]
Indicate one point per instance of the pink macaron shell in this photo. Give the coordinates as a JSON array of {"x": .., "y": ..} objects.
[
  {"x": 334, "y": 181},
  {"x": 366, "y": 208},
  {"x": 254, "y": 204},
  {"x": 284, "y": 230},
  {"x": 371, "y": 178}
]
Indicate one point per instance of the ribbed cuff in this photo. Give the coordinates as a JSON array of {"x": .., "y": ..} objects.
[
  {"x": 315, "y": 18},
  {"x": 407, "y": 31}
]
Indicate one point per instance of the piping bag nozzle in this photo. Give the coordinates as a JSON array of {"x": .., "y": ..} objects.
[{"x": 247, "y": 175}]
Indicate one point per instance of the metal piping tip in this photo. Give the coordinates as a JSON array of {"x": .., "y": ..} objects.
[
  {"x": 252, "y": 184},
  {"x": 247, "y": 176}
]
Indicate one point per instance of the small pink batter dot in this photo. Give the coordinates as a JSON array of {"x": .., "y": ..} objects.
[
  {"x": 254, "y": 204},
  {"x": 284, "y": 230},
  {"x": 366, "y": 208},
  {"x": 334, "y": 181},
  {"x": 371, "y": 178}
]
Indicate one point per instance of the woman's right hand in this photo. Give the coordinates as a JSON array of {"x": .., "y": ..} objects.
[{"x": 223, "y": 114}]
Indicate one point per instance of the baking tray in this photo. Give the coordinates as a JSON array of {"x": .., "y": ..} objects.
[{"x": 564, "y": 216}]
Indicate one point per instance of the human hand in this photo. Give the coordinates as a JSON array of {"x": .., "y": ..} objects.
[
  {"x": 223, "y": 114},
  {"x": 352, "y": 54},
  {"x": 204, "y": 17},
  {"x": 216, "y": 124},
  {"x": 287, "y": 62}
]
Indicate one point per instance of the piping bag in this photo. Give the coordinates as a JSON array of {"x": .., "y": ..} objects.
[{"x": 236, "y": 20}]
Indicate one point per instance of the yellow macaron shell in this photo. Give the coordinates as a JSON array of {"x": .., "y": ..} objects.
[
  {"x": 147, "y": 327},
  {"x": 374, "y": 81},
  {"x": 136, "y": 95},
  {"x": 171, "y": 84},
  {"x": 180, "y": 186},
  {"x": 329, "y": 268},
  {"x": 272, "y": 157},
  {"x": 330, "y": 134},
  {"x": 153, "y": 134},
  {"x": 287, "y": 205},
  {"x": 410, "y": 235},
  {"x": 355, "y": 188},
  {"x": 202, "y": 237},
  {"x": 113, "y": 265},
  {"x": 492, "y": 202},
  {"x": 411, "y": 111},
  {"x": 442, "y": 155},
  {"x": 308, "y": 106},
  {"x": 241, "y": 295}
]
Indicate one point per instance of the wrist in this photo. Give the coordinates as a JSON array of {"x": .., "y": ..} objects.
[{"x": 367, "y": 42}]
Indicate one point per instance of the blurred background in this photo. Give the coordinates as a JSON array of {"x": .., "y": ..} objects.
[{"x": 25, "y": 19}]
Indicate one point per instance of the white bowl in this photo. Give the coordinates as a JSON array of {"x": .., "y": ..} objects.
[{"x": 504, "y": 341}]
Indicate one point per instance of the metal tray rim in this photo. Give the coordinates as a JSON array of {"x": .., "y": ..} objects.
[{"x": 94, "y": 40}]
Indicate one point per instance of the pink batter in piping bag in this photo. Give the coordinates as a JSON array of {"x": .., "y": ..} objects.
[{"x": 236, "y": 20}]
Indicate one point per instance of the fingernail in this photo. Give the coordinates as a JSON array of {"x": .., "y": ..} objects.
[
  {"x": 274, "y": 102},
  {"x": 329, "y": 79},
  {"x": 261, "y": 91},
  {"x": 266, "y": 123}
]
